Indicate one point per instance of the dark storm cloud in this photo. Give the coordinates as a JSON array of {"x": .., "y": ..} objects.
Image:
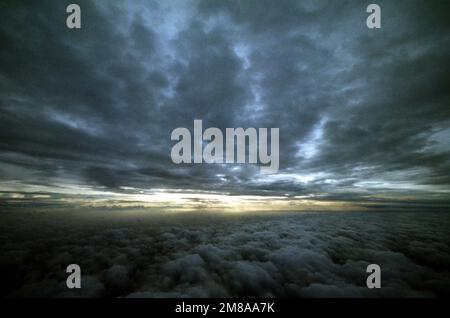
[
  {"x": 283, "y": 255},
  {"x": 358, "y": 109}
]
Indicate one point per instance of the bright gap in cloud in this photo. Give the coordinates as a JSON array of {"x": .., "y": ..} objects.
[{"x": 310, "y": 148}]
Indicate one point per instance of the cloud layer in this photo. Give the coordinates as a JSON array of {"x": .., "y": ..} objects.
[
  {"x": 360, "y": 111},
  {"x": 212, "y": 255}
]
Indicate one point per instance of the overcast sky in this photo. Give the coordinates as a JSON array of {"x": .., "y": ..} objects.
[{"x": 363, "y": 114}]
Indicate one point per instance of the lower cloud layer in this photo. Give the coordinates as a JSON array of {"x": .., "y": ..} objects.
[{"x": 279, "y": 255}]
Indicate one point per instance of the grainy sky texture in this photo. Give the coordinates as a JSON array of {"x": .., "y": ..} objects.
[{"x": 363, "y": 114}]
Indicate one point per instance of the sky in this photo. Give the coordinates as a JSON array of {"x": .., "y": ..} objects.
[{"x": 86, "y": 114}]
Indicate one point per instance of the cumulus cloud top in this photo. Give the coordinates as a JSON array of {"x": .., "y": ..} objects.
[{"x": 284, "y": 255}]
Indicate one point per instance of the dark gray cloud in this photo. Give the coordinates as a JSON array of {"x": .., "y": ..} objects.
[
  {"x": 360, "y": 111},
  {"x": 219, "y": 255}
]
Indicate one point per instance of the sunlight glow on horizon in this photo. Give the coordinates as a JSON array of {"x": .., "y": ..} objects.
[{"x": 175, "y": 200}]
